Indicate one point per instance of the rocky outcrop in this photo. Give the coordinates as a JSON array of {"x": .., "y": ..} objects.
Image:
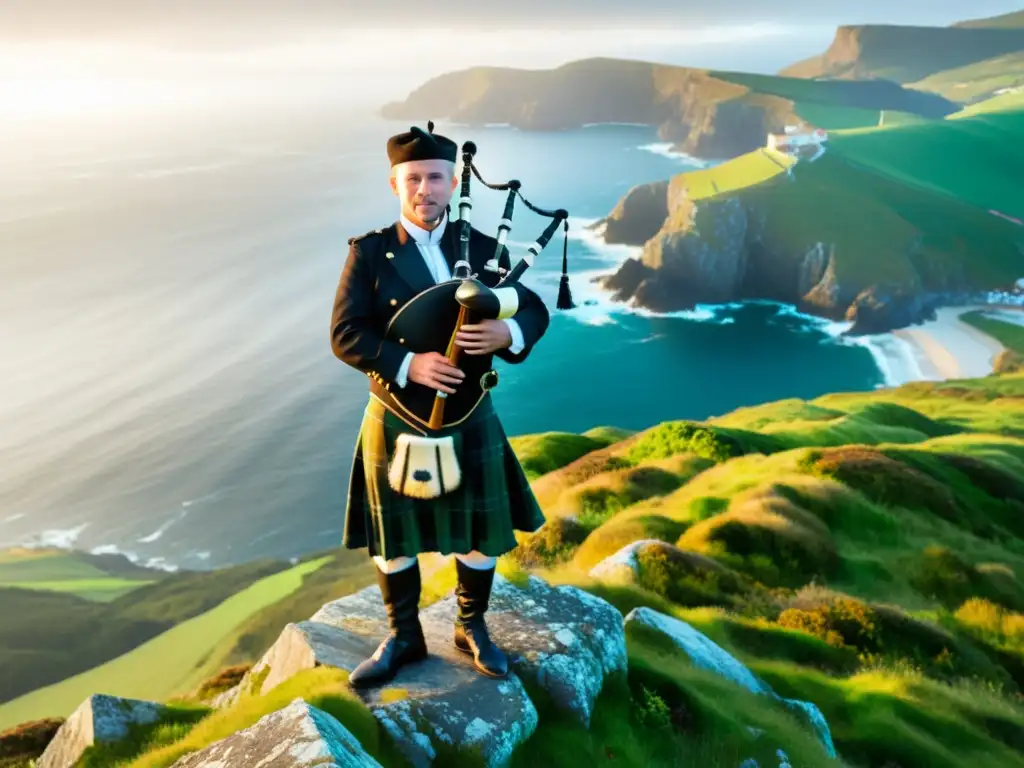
[
  {"x": 702, "y": 652},
  {"x": 97, "y": 720},
  {"x": 727, "y": 248},
  {"x": 562, "y": 640},
  {"x": 297, "y": 736},
  {"x": 638, "y": 216}
]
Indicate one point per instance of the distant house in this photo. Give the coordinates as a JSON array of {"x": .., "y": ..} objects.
[
  {"x": 797, "y": 138},
  {"x": 799, "y": 141}
]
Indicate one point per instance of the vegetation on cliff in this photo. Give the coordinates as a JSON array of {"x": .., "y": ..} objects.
[
  {"x": 861, "y": 551},
  {"x": 908, "y": 54},
  {"x": 878, "y": 229}
]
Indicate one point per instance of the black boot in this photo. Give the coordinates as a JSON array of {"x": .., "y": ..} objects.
[
  {"x": 473, "y": 594},
  {"x": 405, "y": 643}
]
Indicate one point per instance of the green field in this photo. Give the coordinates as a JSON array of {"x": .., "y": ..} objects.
[
  {"x": 747, "y": 170},
  {"x": 161, "y": 667},
  {"x": 976, "y": 81},
  {"x": 70, "y": 572},
  {"x": 975, "y": 156},
  {"x": 896, "y": 203}
]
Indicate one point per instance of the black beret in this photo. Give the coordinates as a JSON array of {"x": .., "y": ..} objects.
[{"x": 417, "y": 144}]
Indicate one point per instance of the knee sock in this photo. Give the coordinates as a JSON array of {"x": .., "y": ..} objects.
[
  {"x": 395, "y": 565},
  {"x": 478, "y": 561}
]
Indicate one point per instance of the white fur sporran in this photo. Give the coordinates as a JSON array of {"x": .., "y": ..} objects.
[{"x": 424, "y": 467}]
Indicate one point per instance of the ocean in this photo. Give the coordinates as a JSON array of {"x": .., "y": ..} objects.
[{"x": 169, "y": 391}]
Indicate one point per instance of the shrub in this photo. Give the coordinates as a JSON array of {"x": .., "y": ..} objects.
[
  {"x": 622, "y": 530},
  {"x": 717, "y": 444},
  {"x": 687, "y": 578},
  {"x": 768, "y": 538},
  {"x": 555, "y": 541},
  {"x": 28, "y": 740},
  {"x": 944, "y": 576},
  {"x": 883, "y": 480}
]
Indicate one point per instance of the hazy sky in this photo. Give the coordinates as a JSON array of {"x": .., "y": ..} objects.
[
  {"x": 76, "y": 57},
  {"x": 237, "y": 21}
]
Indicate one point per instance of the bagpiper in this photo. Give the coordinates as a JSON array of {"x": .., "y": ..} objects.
[{"x": 416, "y": 488}]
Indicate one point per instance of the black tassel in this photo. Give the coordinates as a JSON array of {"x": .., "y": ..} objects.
[{"x": 564, "y": 294}]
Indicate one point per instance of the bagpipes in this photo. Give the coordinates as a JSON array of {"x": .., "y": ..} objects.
[{"x": 425, "y": 466}]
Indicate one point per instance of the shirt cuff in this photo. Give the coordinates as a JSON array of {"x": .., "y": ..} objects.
[
  {"x": 402, "y": 378},
  {"x": 517, "y": 336}
]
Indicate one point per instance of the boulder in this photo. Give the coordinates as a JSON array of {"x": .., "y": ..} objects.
[
  {"x": 297, "y": 736},
  {"x": 561, "y": 639},
  {"x": 98, "y": 719},
  {"x": 706, "y": 654},
  {"x": 622, "y": 567}
]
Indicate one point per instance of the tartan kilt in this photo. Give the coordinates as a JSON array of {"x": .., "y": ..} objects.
[{"x": 493, "y": 500}]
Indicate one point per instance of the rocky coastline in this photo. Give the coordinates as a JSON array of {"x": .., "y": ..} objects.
[{"x": 717, "y": 252}]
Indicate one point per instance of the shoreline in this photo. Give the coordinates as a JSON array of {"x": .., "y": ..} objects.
[{"x": 948, "y": 348}]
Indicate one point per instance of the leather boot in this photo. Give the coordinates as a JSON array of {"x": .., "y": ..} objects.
[
  {"x": 473, "y": 593},
  {"x": 405, "y": 643}
]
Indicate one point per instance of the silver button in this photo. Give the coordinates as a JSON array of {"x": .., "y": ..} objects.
[
  {"x": 390, "y": 255},
  {"x": 394, "y": 302}
]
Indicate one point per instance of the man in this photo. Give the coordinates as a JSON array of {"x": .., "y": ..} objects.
[{"x": 476, "y": 522}]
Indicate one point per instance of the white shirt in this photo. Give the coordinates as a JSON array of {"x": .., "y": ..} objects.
[{"x": 429, "y": 244}]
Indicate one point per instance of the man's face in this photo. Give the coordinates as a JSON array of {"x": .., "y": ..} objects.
[{"x": 424, "y": 187}]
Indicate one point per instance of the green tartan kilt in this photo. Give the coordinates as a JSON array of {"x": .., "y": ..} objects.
[{"x": 493, "y": 499}]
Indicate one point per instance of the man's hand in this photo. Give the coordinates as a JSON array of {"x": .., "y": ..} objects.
[
  {"x": 484, "y": 337},
  {"x": 432, "y": 369}
]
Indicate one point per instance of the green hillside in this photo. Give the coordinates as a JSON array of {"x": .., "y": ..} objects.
[
  {"x": 48, "y": 635},
  {"x": 162, "y": 666},
  {"x": 975, "y": 156},
  {"x": 976, "y": 81},
  {"x": 861, "y": 550},
  {"x": 93, "y": 577},
  {"x": 908, "y": 54},
  {"x": 1014, "y": 20}
]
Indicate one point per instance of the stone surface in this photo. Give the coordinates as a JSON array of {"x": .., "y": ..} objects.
[
  {"x": 98, "y": 719},
  {"x": 561, "y": 639},
  {"x": 706, "y": 654},
  {"x": 298, "y": 736},
  {"x": 621, "y": 567}
]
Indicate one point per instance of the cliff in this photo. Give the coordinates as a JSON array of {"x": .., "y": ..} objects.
[
  {"x": 705, "y": 114},
  {"x": 876, "y": 231},
  {"x": 906, "y": 54}
]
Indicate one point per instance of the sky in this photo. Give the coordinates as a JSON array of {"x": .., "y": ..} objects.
[
  {"x": 227, "y": 22},
  {"x": 61, "y": 58}
]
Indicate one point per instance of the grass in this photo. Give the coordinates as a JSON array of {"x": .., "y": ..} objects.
[
  {"x": 74, "y": 573},
  {"x": 744, "y": 171},
  {"x": 159, "y": 668},
  {"x": 1010, "y": 335},
  {"x": 977, "y": 81},
  {"x": 975, "y": 156},
  {"x": 860, "y": 551},
  {"x": 48, "y": 635},
  {"x": 323, "y": 687}
]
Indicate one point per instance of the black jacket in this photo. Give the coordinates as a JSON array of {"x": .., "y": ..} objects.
[{"x": 374, "y": 286}]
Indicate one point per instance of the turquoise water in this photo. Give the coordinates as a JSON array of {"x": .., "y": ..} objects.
[{"x": 165, "y": 299}]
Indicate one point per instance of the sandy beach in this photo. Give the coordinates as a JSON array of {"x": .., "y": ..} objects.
[{"x": 948, "y": 348}]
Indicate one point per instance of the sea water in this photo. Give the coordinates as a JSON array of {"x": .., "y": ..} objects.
[{"x": 169, "y": 389}]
